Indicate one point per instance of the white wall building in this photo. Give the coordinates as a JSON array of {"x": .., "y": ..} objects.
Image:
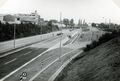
[{"x": 33, "y": 18}]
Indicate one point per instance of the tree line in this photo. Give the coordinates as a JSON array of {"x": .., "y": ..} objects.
[
  {"x": 24, "y": 30},
  {"x": 110, "y": 27},
  {"x": 68, "y": 23},
  {"x": 104, "y": 38}
]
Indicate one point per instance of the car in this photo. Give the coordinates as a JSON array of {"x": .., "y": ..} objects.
[{"x": 59, "y": 34}]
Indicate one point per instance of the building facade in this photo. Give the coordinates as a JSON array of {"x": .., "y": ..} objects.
[{"x": 33, "y": 18}]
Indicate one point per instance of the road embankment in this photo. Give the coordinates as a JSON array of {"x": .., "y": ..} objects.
[{"x": 99, "y": 64}]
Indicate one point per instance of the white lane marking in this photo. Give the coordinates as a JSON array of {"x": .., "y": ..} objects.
[
  {"x": 46, "y": 59},
  {"x": 24, "y": 65},
  {"x": 53, "y": 77},
  {"x": 10, "y": 61},
  {"x": 28, "y": 53},
  {"x": 74, "y": 39},
  {"x": 44, "y": 43},
  {"x": 6, "y": 54},
  {"x": 49, "y": 65},
  {"x": 25, "y": 54}
]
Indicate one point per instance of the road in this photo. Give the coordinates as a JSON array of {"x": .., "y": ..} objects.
[
  {"x": 15, "y": 60},
  {"x": 40, "y": 61}
]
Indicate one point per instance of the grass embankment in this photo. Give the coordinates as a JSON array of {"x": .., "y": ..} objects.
[{"x": 99, "y": 64}]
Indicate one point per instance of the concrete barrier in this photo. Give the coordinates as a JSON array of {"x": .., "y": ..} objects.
[{"x": 9, "y": 45}]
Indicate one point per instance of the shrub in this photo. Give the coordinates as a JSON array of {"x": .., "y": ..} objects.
[{"x": 104, "y": 38}]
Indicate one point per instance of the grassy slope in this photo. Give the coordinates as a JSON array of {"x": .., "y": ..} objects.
[{"x": 99, "y": 64}]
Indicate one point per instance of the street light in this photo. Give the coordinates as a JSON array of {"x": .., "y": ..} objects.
[
  {"x": 14, "y": 34},
  {"x": 41, "y": 32},
  {"x": 40, "y": 22},
  {"x": 109, "y": 23},
  {"x": 60, "y": 36}
]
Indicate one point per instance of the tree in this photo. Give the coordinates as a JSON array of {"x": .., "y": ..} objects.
[
  {"x": 93, "y": 25},
  {"x": 72, "y": 22},
  {"x": 24, "y": 30},
  {"x": 66, "y": 22},
  {"x": 79, "y": 23}
]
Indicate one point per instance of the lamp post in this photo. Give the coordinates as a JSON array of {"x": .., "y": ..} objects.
[
  {"x": 41, "y": 32},
  {"x": 60, "y": 36},
  {"x": 14, "y": 34},
  {"x": 109, "y": 23},
  {"x": 41, "y": 27}
]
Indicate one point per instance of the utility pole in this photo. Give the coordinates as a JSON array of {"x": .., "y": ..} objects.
[
  {"x": 61, "y": 35},
  {"x": 14, "y": 34},
  {"x": 41, "y": 28},
  {"x": 109, "y": 23}
]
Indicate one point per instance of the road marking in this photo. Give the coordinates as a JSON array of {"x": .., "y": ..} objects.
[
  {"x": 28, "y": 53},
  {"x": 47, "y": 59},
  {"x": 53, "y": 77},
  {"x": 6, "y": 54},
  {"x": 2, "y": 79},
  {"x": 10, "y": 61},
  {"x": 22, "y": 66},
  {"x": 24, "y": 54},
  {"x": 49, "y": 65},
  {"x": 45, "y": 42},
  {"x": 74, "y": 39}
]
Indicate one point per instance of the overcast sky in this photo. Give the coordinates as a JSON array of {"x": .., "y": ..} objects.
[{"x": 90, "y": 10}]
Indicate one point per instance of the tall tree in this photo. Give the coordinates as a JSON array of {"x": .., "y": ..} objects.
[
  {"x": 79, "y": 22},
  {"x": 66, "y": 22},
  {"x": 72, "y": 22}
]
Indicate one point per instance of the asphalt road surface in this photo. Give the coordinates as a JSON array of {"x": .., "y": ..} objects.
[
  {"x": 38, "y": 61},
  {"x": 11, "y": 62}
]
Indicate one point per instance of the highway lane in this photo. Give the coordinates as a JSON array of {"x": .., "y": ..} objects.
[
  {"x": 15, "y": 60},
  {"x": 12, "y": 64},
  {"x": 37, "y": 65},
  {"x": 42, "y": 63},
  {"x": 22, "y": 48},
  {"x": 84, "y": 38},
  {"x": 28, "y": 48},
  {"x": 45, "y": 61},
  {"x": 47, "y": 74}
]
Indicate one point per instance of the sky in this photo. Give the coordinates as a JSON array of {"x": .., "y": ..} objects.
[{"x": 90, "y": 10}]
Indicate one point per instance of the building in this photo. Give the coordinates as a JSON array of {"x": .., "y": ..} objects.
[
  {"x": 1, "y": 17},
  {"x": 33, "y": 18},
  {"x": 11, "y": 19}
]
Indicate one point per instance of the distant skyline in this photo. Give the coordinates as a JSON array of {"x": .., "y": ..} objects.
[{"x": 90, "y": 10}]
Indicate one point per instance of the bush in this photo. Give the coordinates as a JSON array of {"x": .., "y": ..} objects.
[
  {"x": 104, "y": 38},
  {"x": 23, "y": 30}
]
